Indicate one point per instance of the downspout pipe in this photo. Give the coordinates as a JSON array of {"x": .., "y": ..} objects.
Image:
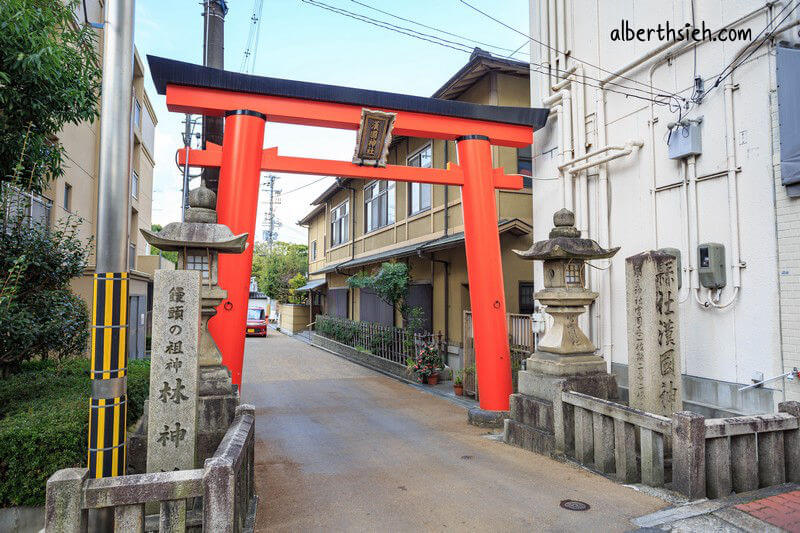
[{"x": 562, "y": 102}]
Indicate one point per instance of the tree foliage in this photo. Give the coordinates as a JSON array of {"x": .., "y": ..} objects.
[
  {"x": 39, "y": 315},
  {"x": 274, "y": 267},
  {"x": 295, "y": 283},
  {"x": 390, "y": 283},
  {"x": 49, "y": 76}
]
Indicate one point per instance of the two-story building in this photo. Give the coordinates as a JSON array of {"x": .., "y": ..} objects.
[{"x": 355, "y": 225}]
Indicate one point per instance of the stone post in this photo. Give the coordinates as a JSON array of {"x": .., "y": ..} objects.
[
  {"x": 654, "y": 362},
  {"x": 791, "y": 443},
  {"x": 172, "y": 406},
  {"x": 689, "y": 454},
  {"x": 63, "y": 511}
]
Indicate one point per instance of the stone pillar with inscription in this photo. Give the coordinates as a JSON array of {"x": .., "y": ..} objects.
[
  {"x": 654, "y": 359},
  {"x": 174, "y": 369}
]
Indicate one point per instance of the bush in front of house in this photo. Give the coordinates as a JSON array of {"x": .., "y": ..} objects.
[{"x": 44, "y": 423}]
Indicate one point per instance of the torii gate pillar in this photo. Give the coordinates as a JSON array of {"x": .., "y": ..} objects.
[
  {"x": 485, "y": 273},
  {"x": 237, "y": 207}
]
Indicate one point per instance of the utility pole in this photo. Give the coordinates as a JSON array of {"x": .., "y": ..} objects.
[
  {"x": 270, "y": 219},
  {"x": 109, "y": 353},
  {"x": 214, "y": 12}
]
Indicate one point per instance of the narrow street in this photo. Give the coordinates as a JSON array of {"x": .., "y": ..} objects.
[{"x": 343, "y": 448}]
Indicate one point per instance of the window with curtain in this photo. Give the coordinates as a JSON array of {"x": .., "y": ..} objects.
[
  {"x": 379, "y": 200},
  {"x": 525, "y": 166},
  {"x": 419, "y": 194}
]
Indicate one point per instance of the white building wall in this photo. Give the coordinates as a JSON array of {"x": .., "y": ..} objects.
[{"x": 730, "y": 344}]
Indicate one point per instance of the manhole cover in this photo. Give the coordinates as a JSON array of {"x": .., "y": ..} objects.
[
  {"x": 467, "y": 457},
  {"x": 574, "y": 505}
]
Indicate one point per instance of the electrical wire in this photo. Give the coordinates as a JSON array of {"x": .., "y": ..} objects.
[
  {"x": 487, "y": 15},
  {"x": 766, "y": 37},
  {"x": 251, "y": 49},
  {"x": 306, "y": 185},
  {"x": 461, "y": 47},
  {"x": 434, "y": 28},
  {"x": 769, "y": 23}
]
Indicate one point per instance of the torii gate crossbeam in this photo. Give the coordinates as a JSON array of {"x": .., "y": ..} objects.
[{"x": 248, "y": 102}]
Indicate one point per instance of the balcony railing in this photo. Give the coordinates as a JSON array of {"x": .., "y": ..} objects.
[{"x": 32, "y": 207}]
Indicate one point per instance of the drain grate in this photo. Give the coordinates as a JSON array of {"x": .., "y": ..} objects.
[{"x": 574, "y": 505}]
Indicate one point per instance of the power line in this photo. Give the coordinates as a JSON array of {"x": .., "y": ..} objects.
[
  {"x": 306, "y": 185},
  {"x": 721, "y": 78},
  {"x": 487, "y": 15},
  {"x": 461, "y": 47},
  {"x": 251, "y": 49},
  {"x": 434, "y": 28}
]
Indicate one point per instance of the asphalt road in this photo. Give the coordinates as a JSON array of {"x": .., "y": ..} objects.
[{"x": 343, "y": 448}]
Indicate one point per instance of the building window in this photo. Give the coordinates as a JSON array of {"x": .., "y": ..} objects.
[
  {"x": 340, "y": 217},
  {"x": 526, "y": 298},
  {"x": 67, "y": 197},
  {"x": 313, "y": 250},
  {"x": 131, "y": 256},
  {"x": 198, "y": 262},
  {"x": 525, "y": 166},
  {"x": 379, "y": 200},
  {"x": 137, "y": 113},
  {"x": 419, "y": 194},
  {"x": 135, "y": 184}
]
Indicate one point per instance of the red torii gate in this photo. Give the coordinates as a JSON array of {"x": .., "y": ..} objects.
[{"x": 247, "y": 102}]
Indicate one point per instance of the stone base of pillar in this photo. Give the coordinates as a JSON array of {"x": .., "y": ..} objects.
[
  {"x": 216, "y": 409},
  {"x": 531, "y": 423},
  {"x": 486, "y": 419}
]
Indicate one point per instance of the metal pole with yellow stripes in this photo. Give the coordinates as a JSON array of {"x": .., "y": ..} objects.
[
  {"x": 109, "y": 340},
  {"x": 108, "y": 405}
]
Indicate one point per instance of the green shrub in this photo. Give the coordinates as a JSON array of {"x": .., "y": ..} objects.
[{"x": 44, "y": 423}]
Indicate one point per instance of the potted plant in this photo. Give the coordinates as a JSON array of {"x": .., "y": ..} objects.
[
  {"x": 426, "y": 365},
  {"x": 458, "y": 383}
]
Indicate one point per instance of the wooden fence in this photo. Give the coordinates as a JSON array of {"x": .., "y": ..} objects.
[
  {"x": 387, "y": 342},
  {"x": 521, "y": 341},
  {"x": 225, "y": 484}
]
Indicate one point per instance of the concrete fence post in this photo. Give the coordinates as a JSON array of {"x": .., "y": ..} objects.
[
  {"x": 791, "y": 442},
  {"x": 219, "y": 485},
  {"x": 689, "y": 454},
  {"x": 63, "y": 513}
]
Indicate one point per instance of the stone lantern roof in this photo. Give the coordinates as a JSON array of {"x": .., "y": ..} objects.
[
  {"x": 565, "y": 243},
  {"x": 200, "y": 229}
]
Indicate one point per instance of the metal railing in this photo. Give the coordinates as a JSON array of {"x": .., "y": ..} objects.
[
  {"x": 521, "y": 341},
  {"x": 387, "y": 342},
  {"x": 225, "y": 484},
  {"x": 33, "y": 208}
]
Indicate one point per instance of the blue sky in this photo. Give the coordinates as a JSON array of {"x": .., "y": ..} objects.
[{"x": 303, "y": 42}]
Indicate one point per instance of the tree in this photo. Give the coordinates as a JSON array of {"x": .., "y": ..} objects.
[
  {"x": 170, "y": 256},
  {"x": 49, "y": 76},
  {"x": 295, "y": 283},
  {"x": 39, "y": 315},
  {"x": 274, "y": 267},
  {"x": 391, "y": 284}
]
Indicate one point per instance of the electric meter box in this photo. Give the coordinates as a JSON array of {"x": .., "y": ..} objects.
[
  {"x": 674, "y": 252},
  {"x": 711, "y": 265},
  {"x": 684, "y": 140}
]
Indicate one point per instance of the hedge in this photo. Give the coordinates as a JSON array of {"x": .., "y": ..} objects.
[{"x": 44, "y": 423}]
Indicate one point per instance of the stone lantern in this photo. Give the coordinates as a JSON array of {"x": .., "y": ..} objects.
[
  {"x": 199, "y": 241},
  {"x": 565, "y": 349}
]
